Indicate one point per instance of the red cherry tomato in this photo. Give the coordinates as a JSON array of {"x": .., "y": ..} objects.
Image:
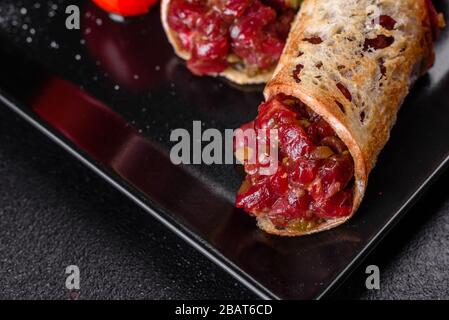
[{"x": 126, "y": 8}]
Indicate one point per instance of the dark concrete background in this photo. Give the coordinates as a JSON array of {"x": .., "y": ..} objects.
[{"x": 54, "y": 212}]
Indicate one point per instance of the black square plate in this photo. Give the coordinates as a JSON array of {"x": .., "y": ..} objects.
[{"x": 111, "y": 93}]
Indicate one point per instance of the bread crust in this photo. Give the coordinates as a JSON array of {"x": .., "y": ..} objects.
[
  {"x": 238, "y": 76},
  {"x": 377, "y": 80}
]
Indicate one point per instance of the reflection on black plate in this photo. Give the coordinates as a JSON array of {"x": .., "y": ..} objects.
[{"x": 111, "y": 94}]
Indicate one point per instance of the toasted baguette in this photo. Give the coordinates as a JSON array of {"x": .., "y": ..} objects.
[
  {"x": 364, "y": 123},
  {"x": 238, "y": 76}
]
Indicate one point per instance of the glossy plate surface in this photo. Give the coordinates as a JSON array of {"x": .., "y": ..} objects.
[{"x": 111, "y": 93}]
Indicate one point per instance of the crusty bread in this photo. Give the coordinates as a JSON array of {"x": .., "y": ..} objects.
[
  {"x": 239, "y": 76},
  {"x": 377, "y": 80}
]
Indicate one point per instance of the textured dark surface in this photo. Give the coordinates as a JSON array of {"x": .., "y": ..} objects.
[{"x": 54, "y": 212}]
